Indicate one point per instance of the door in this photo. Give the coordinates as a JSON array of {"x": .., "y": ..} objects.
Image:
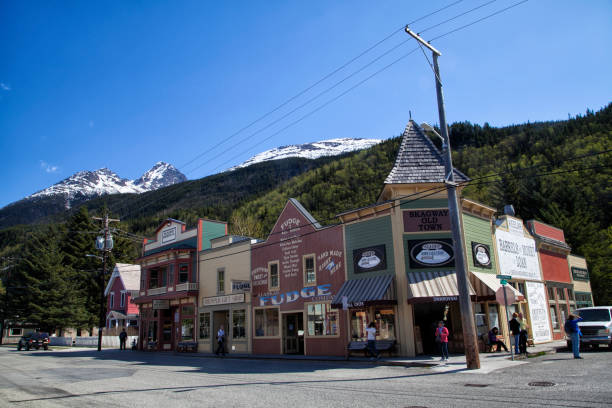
[
  {"x": 293, "y": 333},
  {"x": 221, "y": 318},
  {"x": 166, "y": 329}
]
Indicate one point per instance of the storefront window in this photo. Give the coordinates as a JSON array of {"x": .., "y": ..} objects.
[
  {"x": 239, "y": 324},
  {"x": 385, "y": 322},
  {"x": 16, "y": 331},
  {"x": 570, "y": 295},
  {"x": 553, "y": 317},
  {"x": 187, "y": 329},
  {"x": 521, "y": 288},
  {"x": 204, "y": 325},
  {"x": 480, "y": 318},
  {"x": 358, "y": 324},
  {"x": 183, "y": 273},
  {"x": 266, "y": 322},
  {"x": 322, "y": 320},
  {"x": 494, "y": 316},
  {"x": 551, "y": 294}
]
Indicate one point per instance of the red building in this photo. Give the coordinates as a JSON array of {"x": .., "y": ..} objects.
[
  {"x": 122, "y": 287},
  {"x": 553, "y": 252},
  {"x": 295, "y": 274},
  {"x": 169, "y": 282}
]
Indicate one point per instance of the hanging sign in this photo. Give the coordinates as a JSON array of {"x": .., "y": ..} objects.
[{"x": 431, "y": 254}]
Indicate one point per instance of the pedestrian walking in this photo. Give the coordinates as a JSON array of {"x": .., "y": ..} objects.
[
  {"x": 371, "y": 333},
  {"x": 494, "y": 341},
  {"x": 515, "y": 329},
  {"x": 122, "y": 339},
  {"x": 573, "y": 330},
  {"x": 524, "y": 334},
  {"x": 220, "y": 341},
  {"x": 442, "y": 340}
]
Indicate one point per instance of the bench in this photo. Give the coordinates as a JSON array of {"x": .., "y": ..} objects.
[
  {"x": 187, "y": 346},
  {"x": 151, "y": 345},
  {"x": 381, "y": 346}
]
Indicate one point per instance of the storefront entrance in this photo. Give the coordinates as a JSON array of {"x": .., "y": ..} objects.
[
  {"x": 167, "y": 329},
  {"x": 426, "y": 318},
  {"x": 293, "y": 333},
  {"x": 221, "y": 318}
]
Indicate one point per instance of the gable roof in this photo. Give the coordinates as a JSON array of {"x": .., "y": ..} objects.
[
  {"x": 419, "y": 160},
  {"x": 129, "y": 275}
]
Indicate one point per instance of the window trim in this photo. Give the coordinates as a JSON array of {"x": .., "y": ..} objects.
[
  {"x": 112, "y": 300},
  {"x": 279, "y": 335},
  {"x": 122, "y": 299},
  {"x": 332, "y": 310},
  {"x": 314, "y": 265},
  {"x": 270, "y": 287}
]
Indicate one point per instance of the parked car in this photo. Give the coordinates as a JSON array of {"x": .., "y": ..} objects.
[
  {"x": 596, "y": 326},
  {"x": 34, "y": 340}
]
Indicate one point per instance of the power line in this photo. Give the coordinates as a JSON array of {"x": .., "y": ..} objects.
[{"x": 455, "y": 17}]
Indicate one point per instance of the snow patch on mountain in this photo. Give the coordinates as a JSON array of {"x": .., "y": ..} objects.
[
  {"x": 87, "y": 184},
  {"x": 314, "y": 150}
]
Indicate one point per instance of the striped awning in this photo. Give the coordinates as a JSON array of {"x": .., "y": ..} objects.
[
  {"x": 486, "y": 284},
  {"x": 379, "y": 290},
  {"x": 438, "y": 286}
]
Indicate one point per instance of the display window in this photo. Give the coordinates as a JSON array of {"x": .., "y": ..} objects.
[
  {"x": 239, "y": 324},
  {"x": 322, "y": 320},
  {"x": 205, "y": 325},
  {"x": 553, "y": 317},
  {"x": 187, "y": 329},
  {"x": 266, "y": 322},
  {"x": 385, "y": 324},
  {"x": 359, "y": 323}
]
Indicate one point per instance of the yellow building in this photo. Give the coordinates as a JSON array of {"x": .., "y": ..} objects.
[
  {"x": 579, "y": 273},
  {"x": 224, "y": 297}
]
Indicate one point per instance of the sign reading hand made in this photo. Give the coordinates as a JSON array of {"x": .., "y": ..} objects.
[{"x": 431, "y": 254}]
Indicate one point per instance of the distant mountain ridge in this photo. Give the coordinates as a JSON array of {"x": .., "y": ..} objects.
[
  {"x": 313, "y": 150},
  {"x": 88, "y": 184}
]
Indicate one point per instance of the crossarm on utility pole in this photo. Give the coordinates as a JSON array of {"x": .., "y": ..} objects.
[{"x": 422, "y": 41}]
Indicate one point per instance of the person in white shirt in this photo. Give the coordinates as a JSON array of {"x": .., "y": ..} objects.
[
  {"x": 220, "y": 341},
  {"x": 371, "y": 336}
]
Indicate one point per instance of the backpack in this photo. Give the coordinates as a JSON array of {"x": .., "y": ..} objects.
[{"x": 568, "y": 327}]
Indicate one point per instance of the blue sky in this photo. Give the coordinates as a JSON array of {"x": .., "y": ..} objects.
[{"x": 124, "y": 84}]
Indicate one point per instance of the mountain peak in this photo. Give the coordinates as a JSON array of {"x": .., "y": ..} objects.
[{"x": 162, "y": 174}]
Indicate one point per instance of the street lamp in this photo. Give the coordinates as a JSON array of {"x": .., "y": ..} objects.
[{"x": 428, "y": 128}]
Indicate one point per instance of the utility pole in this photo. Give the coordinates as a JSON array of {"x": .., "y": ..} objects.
[
  {"x": 470, "y": 341},
  {"x": 106, "y": 247}
]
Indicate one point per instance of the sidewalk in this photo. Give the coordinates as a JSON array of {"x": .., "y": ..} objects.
[{"x": 488, "y": 361}]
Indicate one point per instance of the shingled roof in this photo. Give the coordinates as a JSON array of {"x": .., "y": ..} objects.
[{"x": 419, "y": 160}]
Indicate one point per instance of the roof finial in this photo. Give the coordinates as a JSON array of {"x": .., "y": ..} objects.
[{"x": 410, "y": 113}]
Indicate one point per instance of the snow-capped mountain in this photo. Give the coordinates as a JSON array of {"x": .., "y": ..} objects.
[
  {"x": 161, "y": 175},
  {"x": 331, "y": 147},
  {"x": 87, "y": 184}
]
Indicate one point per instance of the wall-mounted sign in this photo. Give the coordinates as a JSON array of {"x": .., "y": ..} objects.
[
  {"x": 311, "y": 293},
  {"x": 517, "y": 256},
  {"x": 580, "y": 274},
  {"x": 168, "y": 235},
  {"x": 515, "y": 226},
  {"x": 159, "y": 304},
  {"x": 223, "y": 300},
  {"x": 427, "y": 220},
  {"x": 369, "y": 259},
  {"x": 431, "y": 253},
  {"x": 481, "y": 255},
  {"x": 241, "y": 286}
]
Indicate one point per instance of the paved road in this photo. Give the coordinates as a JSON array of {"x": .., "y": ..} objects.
[{"x": 86, "y": 378}]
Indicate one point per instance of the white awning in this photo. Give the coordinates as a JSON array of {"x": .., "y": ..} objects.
[{"x": 487, "y": 284}]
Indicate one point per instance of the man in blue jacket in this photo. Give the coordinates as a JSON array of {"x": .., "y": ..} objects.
[{"x": 573, "y": 330}]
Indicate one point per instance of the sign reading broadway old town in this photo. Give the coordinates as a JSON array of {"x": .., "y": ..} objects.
[
  {"x": 431, "y": 254},
  {"x": 481, "y": 255},
  {"x": 427, "y": 220},
  {"x": 369, "y": 259}
]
